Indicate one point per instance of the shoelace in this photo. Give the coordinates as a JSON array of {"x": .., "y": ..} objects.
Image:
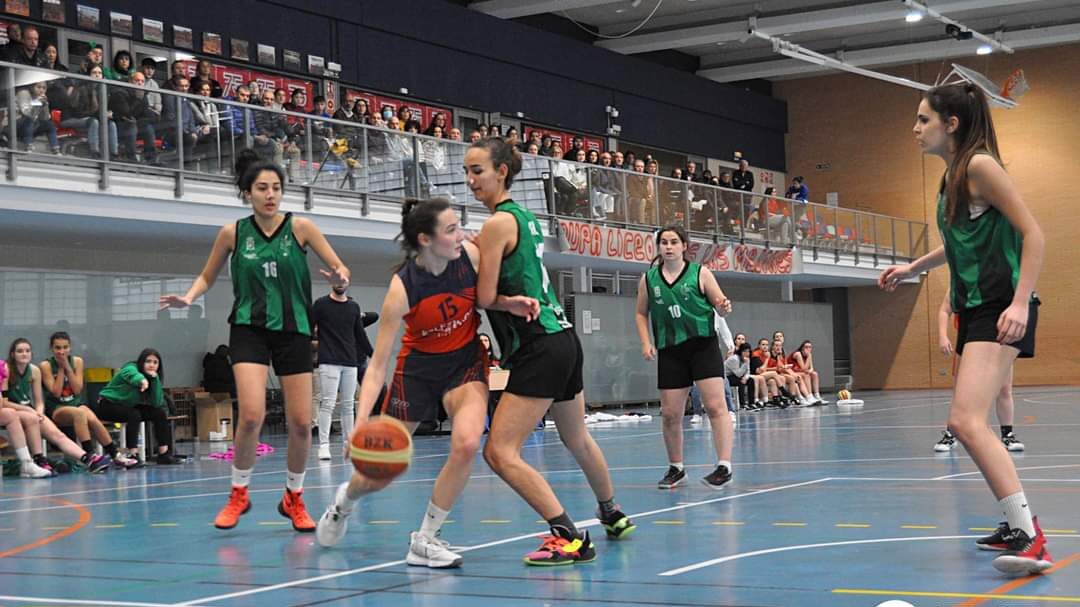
[
  {"x": 552, "y": 543},
  {"x": 235, "y": 502}
]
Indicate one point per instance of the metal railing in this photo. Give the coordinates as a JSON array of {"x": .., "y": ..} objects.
[{"x": 119, "y": 126}]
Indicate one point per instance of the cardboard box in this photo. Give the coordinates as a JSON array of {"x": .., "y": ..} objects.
[{"x": 210, "y": 409}]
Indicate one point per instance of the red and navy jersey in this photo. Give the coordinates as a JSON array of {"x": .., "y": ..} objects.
[{"x": 442, "y": 313}]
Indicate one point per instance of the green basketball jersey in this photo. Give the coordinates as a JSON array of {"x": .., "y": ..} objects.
[
  {"x": 271, "y": 280},
  {"x": 523, "y": 273},
  {"x": 678, "y": 311},
  {"x": 983, "y": 252},
  {"x": 19, "y": 390},
  {"x": 67, "y": 397}
]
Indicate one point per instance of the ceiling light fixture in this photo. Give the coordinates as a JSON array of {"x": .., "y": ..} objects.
[{"x": 984, "y": 49}]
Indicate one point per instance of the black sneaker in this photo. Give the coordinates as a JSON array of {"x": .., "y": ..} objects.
[
  {"x": 1012, "y": 443},
  {"x": 617, "y": 525},
  {"x": 947, "y": 442},
  {"x": 1024, "y": 555},
  {"x": 995, "y": 541},
  {"x": 166, "y": 459},
  {"x": 719, "y": 477},
  {"x": 672, "y": 479}
]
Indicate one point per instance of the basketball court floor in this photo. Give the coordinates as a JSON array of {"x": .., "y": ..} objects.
[{"x": 828, "y": 507}]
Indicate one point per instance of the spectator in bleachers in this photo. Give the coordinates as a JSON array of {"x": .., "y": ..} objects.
[
  {"x": 50, "y": 58},
  {"x": 386, "y": 113},
  {"x": 25, "y": 51},
  {"x": 35, "y": 116},
  {"x": 772, "y": 220},
  {"x": 641, "y": 194},
  {"x": 203, "y": 110},
  {"x": 475, "y": 136},
  {"x": 631, "y": 158},
  {"x": 237, "y": 114},
  {"x": 134, "y": 119},
  {"x": 14, "y": 35},
  {"x": 605, "y": 187},
  {"x": 437, "y": 121},
  {"x": 618, "y": 161},
  {"x": 180, "y": 107},
  {"x": 280, "y": 99},
  {"x": 122, "y": 66},
  {"x": 271, "y": 139},
  {"x": 545, "y": 145},
  {"x": 532, "y": 148},
  {"x": 691, "y": 174},
  {"x": 82, "y": 111},
  {"x": 592, "y": 157},
  {"x": 347, "y": 112},
  {"x": 483, "y": 129},
  {"x": 676, "y": 173},
  {"x": 153, "y": 100},
  {"x": 798, "y": 190},
  {"x": 743, "y": 178},
  {"x": 455, "y": 134},
  {"x": 176, "y": 71},
  {"x": 321, "y": 131},
  {"x": 361, "y": 110},
  {"x": 204, "y": 72},
  {"x": 535, "y": 136},
  {"x": 571, "y": 185},
  {"x": 576, "y": 143},
  {"x": 404, "y": 115}
]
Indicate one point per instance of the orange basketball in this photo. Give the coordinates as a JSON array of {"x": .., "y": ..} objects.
[{"x": 381, "y": 448}]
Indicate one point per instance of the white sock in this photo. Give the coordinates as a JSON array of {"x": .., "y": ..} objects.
[
  {"x": 294, "y": 481},
  {"x": 1017, "y": 513},
  {"x": 23, "y": 453},
  {"x": 342, "y": 502},
  {"x": 241, "y": 478},
  {"x": 678, "y": 465},
  {"x": 725, "y": 463},
  {"x": 433, "y": 520},
  {"x": 817, "y": 395}
]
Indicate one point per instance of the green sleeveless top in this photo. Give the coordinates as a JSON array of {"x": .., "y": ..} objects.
[
  {"x": 67, "y": 397},
  {"x": 678, "y": 311},
  {"x": 523, "y": 273},
  {"x": 983, "y": 252},
  {"x": 19, "y": 390},
  {"x": 271, "y": 280}
]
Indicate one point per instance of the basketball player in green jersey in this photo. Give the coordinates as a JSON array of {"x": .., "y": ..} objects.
[
  {"x": 994, "y": 249},
  {"x": 680, "y": 298},
  {"x": 543, "y": 355},
  {"x": 270, "y": 323}
]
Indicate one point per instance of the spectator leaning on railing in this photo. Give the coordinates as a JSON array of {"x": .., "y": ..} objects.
[
  {"x": 743, "y": 178},
  {"x": 798, "y": 190}
]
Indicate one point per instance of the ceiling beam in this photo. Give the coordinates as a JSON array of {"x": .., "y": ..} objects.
[
  {"x": 892, "y": 55},
  {"x": 803, "y": 22},
  {"x": 512, "y": 9}
]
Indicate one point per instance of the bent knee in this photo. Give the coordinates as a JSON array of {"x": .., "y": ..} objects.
[{"x": 465, "y": 448}]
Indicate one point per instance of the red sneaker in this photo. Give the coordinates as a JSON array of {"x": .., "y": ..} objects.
[
  {"x": 1025, "y": 555},
  {"x": 292, "y": 507},
  {"x": 557, "y": 550},
  {"x": 230, "y": 514}
]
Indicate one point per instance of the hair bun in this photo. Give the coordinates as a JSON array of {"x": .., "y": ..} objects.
[{"x": 408, "y": 206}]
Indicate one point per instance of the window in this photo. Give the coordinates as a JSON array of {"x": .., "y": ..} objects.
[
  {"x": 65, "y": 299},
  {"x": 136, "y": 297},
  {"x": 22, "y": 299}
]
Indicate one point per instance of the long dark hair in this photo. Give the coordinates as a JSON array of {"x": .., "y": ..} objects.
[
  {"x": 803, "y": 345},
  {"x": 680, "y": 232},
  {"x": 58, "y": 335},
  {"x": 974, "y": 134},
  {"x": 11, "y": 354},
  {"x": 502, "y": 153},
  {"x": 247, "y": 168},
  {"x": 418, "y": 216},
  {"x": 146, "y": 353}
]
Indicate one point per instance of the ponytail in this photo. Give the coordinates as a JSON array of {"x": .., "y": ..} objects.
[{"x": 418, "y": 216}]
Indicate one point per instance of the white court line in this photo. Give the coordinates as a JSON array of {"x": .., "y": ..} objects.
[
  {"x": 924, "y": 480},
  {"x": 218, "y": 478},
  {"x": 884, "y": 540},
  {"x": 50, "y": 601},
  {"x": 582, "y": 525},
  {"x": 948, "y": 476}
]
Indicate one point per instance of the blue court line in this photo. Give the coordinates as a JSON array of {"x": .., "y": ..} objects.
[{"x": 582, "y": 525}]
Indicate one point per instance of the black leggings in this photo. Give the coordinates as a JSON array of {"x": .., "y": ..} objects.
[
  {"x": 746, "y": 391},
  {"x": 108, "y": 410}
]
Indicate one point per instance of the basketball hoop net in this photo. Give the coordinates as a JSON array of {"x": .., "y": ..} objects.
[{"x": 1015, "y": 86}]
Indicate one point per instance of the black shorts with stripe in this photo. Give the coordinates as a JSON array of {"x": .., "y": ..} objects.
[
  {"x": 422, "y": 379},
  {"x": 980, "y": 324}
]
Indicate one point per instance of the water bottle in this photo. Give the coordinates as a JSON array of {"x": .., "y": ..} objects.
[{"x": 224, "y": 428}]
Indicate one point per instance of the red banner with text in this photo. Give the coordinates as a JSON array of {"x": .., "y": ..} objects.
[
  {"x": 608, "y": 242},
  {"x": 232, "y": 77}
]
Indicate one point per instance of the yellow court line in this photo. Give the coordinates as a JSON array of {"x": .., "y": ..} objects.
[
  {"x": 164, "y": 525},
  {"x": 789, "y": 524},
  {"x": 448, "y": 522},
  {"x": 918, "y": 526},
  {"x": 495, "y": 521},
  {"x": 103, "y": 527},
  {"x": 728, "y": 523},
  {"x": 274, "y": 523},
  {"x": 853, "y": 525},
  {"x": 383, "y": 522},
  {"x": 985, "y": 529},
  {"x": 669, "y": 522},
  {"x": 1059, "y": 530},
  {"x": 959, "y": 595},
  {"x": 52, "y": 528}
]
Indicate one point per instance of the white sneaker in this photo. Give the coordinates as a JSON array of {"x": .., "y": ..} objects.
[
  {"x": 734, "y": 419},
  {"x": 946, "y": 444},
  {"x": 695, "y": 419},
  {"x": 123, "y": 460},
  {"x": 324, "y": 452},
  {"x": 431, "y": 552},
  {"x": 333, "y": 523},
  {"x": 29, "y": 469}
]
